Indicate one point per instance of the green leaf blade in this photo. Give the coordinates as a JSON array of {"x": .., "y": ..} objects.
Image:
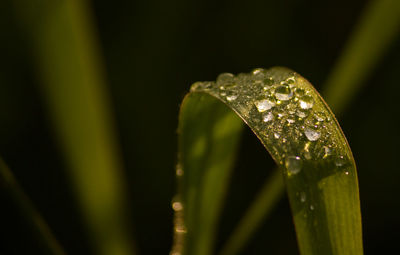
[
  {"x": 301, "y": 134},
  {"x": 209, "y": 148}
]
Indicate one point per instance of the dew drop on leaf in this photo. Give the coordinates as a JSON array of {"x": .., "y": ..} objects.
[
  {"x": 293, "y": 164},
  {"x": 312, "y": 135},
  {"x": 340, "y": 161},
  {"x": 268, "y": 117},
  {"x": 327, "y": 151},
  {"x": 264, "y": 104},
  {"x": 177, "y": 206},
  {"x": 283, "y": 93},
  {"x": 231, "y": 98},
  {"x": 303, "y": 197},
  {"x": 290, "y": 121},
  {"x": 306, "y": 102},
  {"x": 225, "y": 78}
]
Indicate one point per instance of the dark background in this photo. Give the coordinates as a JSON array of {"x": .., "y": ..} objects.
[{"x": 153, "y": 51}]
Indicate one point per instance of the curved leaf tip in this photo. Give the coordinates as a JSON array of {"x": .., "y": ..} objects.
[{"x": 296, "y": 126}]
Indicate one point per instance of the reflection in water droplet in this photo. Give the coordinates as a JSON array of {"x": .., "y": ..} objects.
[
  {"x": 312, "y": 135},
  {"x": 264, "y": 105},
  {"x": 293, "y": 164},
  {"x": 346, "y": 173},
  {"x": 306, "y": 102},
  {"x": 276, "y": 135},
  {"x": 280, "y": 114},
  {"x": 283, "y": 93},
  {"x": 301, "y": 114},
  {"x": 257, "y": 71},
  {"x": 268, "y": 117},
  {"x": 290, "y": 121},
  {"x": 307, "y": 153},
  {"x": 327, "y": 151},
  {"x": 303, "y": 197}
]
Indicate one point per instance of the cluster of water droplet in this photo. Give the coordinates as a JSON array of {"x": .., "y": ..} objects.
[
  {"x": 285, "y": 111},
  {"x": 179, "y": 225}
]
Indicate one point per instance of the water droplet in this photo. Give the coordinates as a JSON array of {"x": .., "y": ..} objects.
[
  {"x": 264, "y": 104},
  {"x": 179, "y": 170},
  {"x": 311, "y": 207},
  {"x": 346, "y": 173},
  {"x": 231, "y": 98},
  {"x": 306, "y": 102},
  {"x": 277, "y": 135},
  {"x": 300, "y": 92},
  {"x": 301, "y": 114},
  {"x": 257, "y": 71},
  {"x": 268, "y": 82},
  {"x": 224, "y": 78},
  {"x": 268, "y": 117},
  {"x": 180, "y": 229},
  {"x": 319, "y": 118},
  {"x": 290, "y": 80},
  {"x": 312, "y": 135},
  {"x": 200, "y": 85},
  {"x": 303, "y": 197},
  {"x": 177, "y": 206},
  {"x": 280, "y": 114},
  {"x": 283, "y": 93},
  {"x": 293, "y": 164},
  {"x": 307, "y": 153},
  {"x": 340, "y": 161}
]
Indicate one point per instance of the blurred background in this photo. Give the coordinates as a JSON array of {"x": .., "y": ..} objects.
[{"x": 152, "y": 52}]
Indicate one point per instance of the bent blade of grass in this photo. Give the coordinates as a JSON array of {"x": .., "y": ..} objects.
[
  {"x": 374, "y": 33},
  {"x": 301, "y": 134},
  {"x": 42, "y": 232},
  {"x": 70, "y": 65}
]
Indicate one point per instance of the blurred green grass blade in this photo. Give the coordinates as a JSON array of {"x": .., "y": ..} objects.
[
  {"x": 302, "y": 136},
  {"x": 68, "y": 58},
  {"x": 375, "y": 31},
  {"x": 209, "y": 136},
  {"x": 41, "y": 231}
]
